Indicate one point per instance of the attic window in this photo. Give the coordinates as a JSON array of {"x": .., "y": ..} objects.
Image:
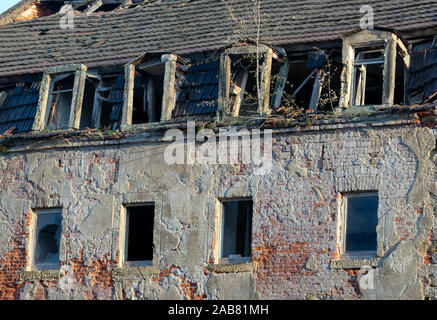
[
  {"x": 150, "y": 90},
  {"x": 374, "y": 68},
  {"x": 60, "y": 102},
  {"x": 108, "y": 101},
  {"x": 368, "y": 76},
  {"x": 244, "y": 87},
  {"x": 66, "y": 99},
  {"x": 306, "y": 80}
]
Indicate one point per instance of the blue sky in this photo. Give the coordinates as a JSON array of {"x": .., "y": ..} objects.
[{"x": 6, "y": 4}]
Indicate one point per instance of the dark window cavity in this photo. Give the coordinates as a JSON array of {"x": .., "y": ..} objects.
[
  {"x": 236, "y": 229},
  {"x": 48, "y": 235},
  {"x": 140, "y": 220},
  {"x": 361, "y": 220},
  {"x": 60, "y": 101}
]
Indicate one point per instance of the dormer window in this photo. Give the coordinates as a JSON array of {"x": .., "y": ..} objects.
[
  {"x": 65, "y": 99},
  {"x": 245, "y": 80},
  {"x": 374, "y": 65},
  {"x": 150, "y": 89}
]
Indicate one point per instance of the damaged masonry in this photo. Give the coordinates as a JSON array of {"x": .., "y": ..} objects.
[{"x": 90, "y": 208}]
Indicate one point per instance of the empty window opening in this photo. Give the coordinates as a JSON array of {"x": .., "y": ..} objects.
[
  {"x": 110, "y": 100},
  {"x": 368, "y": 76},
  {"x": 361, "y": 216},
  {"x": 308, "y": 77},
  {"x": 331, "y": 85},
  {"x": 60, "y": 101},
  {"x": 236, "y": 236},
  {"x": 148, "y": 92},
  {"x": 246, "y": 82},
  {"x": 140, "y": 221},
  {"x": 47, "y": 238},
  {"x": 299, "y": 86},
  {"x": 88, "y": 104},
  {"x": 399, "y": 94},
  {"x": 244, "y": 90}
]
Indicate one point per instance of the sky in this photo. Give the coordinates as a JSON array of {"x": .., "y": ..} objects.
[{"x": 6, "y": 4}]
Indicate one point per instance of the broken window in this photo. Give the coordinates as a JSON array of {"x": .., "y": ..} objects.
[
  {"x": 374, "y": 68},
  {"x": 150, "y": 89},
  {"x": 306, "y": 80},
  {"x": 361, "y": 218},
  {"x": 236, "y": 235},
  {"x": 60, "y": 102},
  {"x": 139, "y": 233},
  {"x": 66, "y": 99},
  {"x": 108, "y": 101},
  {"x": 368, "y": 76},
  {"x": 47, "y": 238},
  {"x": 245, "y": 77}
]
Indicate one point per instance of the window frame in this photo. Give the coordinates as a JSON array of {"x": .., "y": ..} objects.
[
  {"x": 124, "y": 236},
  {"x": 362, "y": 253},
  {"x": 45, "y": 95},
  {"x": 220, "y": 216},
  {"x": 32, "y": 263},
  {"x": 266, "y": 53},
  {"x": 393, "y": 45},
  {"x": 170, "y": 62},
  {"x": 366, "y": 62}
]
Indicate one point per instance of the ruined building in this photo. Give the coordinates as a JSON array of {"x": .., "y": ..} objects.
[{"x": 91, "y": 209}]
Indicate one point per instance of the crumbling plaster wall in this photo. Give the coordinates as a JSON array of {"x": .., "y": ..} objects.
[{"x": 295, "y": 219}]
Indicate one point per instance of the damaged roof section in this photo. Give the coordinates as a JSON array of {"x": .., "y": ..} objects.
[
  {"x": 34, "y": 9},
  {"x": 18, "y": 110},
  {"x": 422, "y": 79},
  {"x": 199, "y": 90}
]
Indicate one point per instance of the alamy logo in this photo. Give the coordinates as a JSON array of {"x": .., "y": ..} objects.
[
  {"x": 366, "y": 21},
  {"x": 367, "y": 281},
  {"x": 233, "y": 147},
  {"x": 67, "y": 17},
  {"x": 67, "y": 281}
]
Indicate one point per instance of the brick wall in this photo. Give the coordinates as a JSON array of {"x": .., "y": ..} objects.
[{"x": 295, "y": 215}]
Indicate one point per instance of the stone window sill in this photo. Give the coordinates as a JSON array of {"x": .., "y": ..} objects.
[
  {"x": 354, "y": 262},
  {"x": 232, "y": 267},
  {"x": 135, "y": 272},
  {"x": 49, "y": 275}
]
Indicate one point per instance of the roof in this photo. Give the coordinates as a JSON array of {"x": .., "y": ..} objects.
[
  {"x": 19, "y": 109},
  {"x": 187, "y": 26},
  {"x": 422, "y": 79},
  {"x": 198, "y": 93}
]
